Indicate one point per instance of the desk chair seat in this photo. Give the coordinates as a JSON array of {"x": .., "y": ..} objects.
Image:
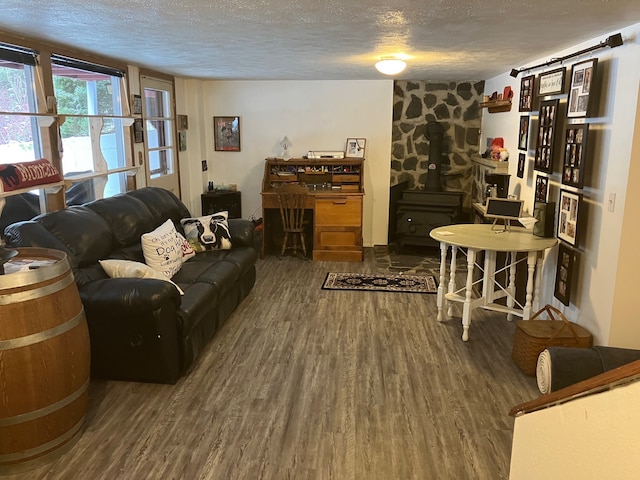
[{"x": 292, "y": 199}]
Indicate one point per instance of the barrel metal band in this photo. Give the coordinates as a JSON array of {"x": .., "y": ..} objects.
[
  {"x": 32, "y": 452},
  {"x": 29, "y": 277},
  {"x": 43, "y": 335},
  {"x": 54, "y": 407},
  {"x": 10, "y": 298}
]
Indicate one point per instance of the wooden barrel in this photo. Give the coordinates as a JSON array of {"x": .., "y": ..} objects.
[{"x": 44, "y": 361}]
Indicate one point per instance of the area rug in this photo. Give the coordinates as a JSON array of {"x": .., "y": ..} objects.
[{"x": 380, "y": 282}]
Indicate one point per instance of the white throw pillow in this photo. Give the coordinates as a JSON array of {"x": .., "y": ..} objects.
[
  {"x": 208, "y": 233},
  {"x": 131, "y": 269},
  {"x": 162, "y": 249}
]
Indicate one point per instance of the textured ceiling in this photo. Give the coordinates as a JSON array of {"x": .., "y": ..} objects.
[{"x": 321, "y": 40}]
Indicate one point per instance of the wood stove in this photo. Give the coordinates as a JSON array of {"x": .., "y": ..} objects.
[{"x": 420, "y": 211}]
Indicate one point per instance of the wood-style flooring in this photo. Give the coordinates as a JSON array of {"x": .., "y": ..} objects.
[{"x": 303, "y": 383}]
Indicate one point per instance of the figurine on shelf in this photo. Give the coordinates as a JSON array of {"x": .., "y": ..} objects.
[{"x": 286, "y": 145}]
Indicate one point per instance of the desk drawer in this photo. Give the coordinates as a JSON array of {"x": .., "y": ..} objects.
[{"x": 339, "y": 210}]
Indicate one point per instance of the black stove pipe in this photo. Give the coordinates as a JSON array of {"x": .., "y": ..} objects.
[{"x": 434, "y": 134}]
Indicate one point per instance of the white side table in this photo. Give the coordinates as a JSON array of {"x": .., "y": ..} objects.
[{"x": 481, "y": 237}]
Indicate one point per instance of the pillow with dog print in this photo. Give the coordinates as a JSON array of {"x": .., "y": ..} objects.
[
  {"x": 162, "y": 249},
  {"x": 208, "y": 233}
]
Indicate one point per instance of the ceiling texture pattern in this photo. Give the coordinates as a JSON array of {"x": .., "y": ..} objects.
[{"x": 320, "y": 40}]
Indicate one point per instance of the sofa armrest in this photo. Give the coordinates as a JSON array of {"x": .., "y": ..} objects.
[
  {"x": 241, "y": 231},
  {"x": 133, "y": 329},
  {"x": 128, "y": 296}
]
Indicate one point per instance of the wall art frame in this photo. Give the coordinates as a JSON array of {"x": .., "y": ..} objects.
[
  {"x": 136, "y": 104},
  {"x": 355, "y": 147},
  {"x": 522, "y": 161},
  {"x": 552, "y": 82},
  {"x": 527, "y": 93},
  {"x": 564, "y": 273},
  {"x": 542, "y": 189},
  {"x": 545, "y": 142},
  {"x": 523, "y": 136},
  {"x": 580, "y": 97},
  {"x": 568, "y": 216},
  {"x": 226, "y": 134},
  {"x": 138, "y": 130},
  {"x": 575, "y": 149}
]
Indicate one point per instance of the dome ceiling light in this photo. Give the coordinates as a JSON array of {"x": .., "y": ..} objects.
[{"x": 390, "y": 65}]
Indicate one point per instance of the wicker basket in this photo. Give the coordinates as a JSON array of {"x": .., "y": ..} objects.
[{"x": 533, "y": 336}]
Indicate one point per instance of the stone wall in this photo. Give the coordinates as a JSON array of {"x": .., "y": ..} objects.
[{"x": 455, "y": 105}]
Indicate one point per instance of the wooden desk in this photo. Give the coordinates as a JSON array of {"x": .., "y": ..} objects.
[
  {"x": 334, "y": 207},
  {"x": 480, "y": 237}
]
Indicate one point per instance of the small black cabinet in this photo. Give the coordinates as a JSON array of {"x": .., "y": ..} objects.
[{"x": 218, "y": 201}]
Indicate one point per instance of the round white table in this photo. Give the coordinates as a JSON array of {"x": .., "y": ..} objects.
[{"x": 483, "y": 237}]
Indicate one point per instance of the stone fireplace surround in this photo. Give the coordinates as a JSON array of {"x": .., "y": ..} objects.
[{"x": 455, "y": 105}]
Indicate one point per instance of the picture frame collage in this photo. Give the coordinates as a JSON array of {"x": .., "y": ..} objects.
[{"x": 542, "y": 93}]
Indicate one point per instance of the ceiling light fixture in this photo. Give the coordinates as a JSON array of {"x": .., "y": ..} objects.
[
  {"x": 611, "y": 41},
  {"x": 390, "y": 65}
]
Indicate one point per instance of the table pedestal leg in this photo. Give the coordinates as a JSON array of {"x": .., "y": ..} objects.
[
  {"x": 452, "y": 277},
  {"x": 531, "y": 267},
  {"x": 466, "y": 311},
  {"x": 443, "y": 272},
  {"x": 538, "y": 282},
  {"x": 511, "y": 289}
]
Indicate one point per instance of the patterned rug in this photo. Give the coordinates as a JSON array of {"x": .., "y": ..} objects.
[{"x": 381, "y": 282}]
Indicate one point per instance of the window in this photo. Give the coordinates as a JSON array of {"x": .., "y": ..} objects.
[
  {"x": 93, "y": 139},
  {"x": 19, "y": 134},
  {"x": 159, "y": 127}
]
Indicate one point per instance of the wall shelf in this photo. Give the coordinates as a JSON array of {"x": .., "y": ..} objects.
[{"x": 497, "y": 106}]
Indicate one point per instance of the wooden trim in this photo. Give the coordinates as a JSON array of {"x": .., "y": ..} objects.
[{"x": 600, "y": 383}]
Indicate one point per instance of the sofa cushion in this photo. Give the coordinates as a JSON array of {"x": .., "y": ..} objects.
[
  {"x": 210, "y": 232},
  {"x": 130, "y": 269},
  {"x": 162, "y": 204},
  {"x": 163, "y": 249},
  {"x": 128, "y": 218},
  {"x": 85, "y": 235}
]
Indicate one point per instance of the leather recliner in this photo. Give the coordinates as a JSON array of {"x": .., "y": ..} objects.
[{"x": 143, "y": 329}]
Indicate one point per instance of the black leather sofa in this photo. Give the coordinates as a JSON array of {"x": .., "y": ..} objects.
[{"x": 143, "y": 329}]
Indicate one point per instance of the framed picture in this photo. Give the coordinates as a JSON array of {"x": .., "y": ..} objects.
[
  {"x": 552, "y": 82},
  {"x": 573, "y": 161},
  {"x": 182, "y": 140},
  {"x": 522, "y": 160},
  {"x": 226, "y": 134},
  {"x": 523, "y": 137},
  {"x": 568, "y": 210},
  {"x": 183, "y": 122},
  {"x": 136, "y": 104},
  {"x": 582, "y": 75},
  {"x": 564, "y": 273},
  {"x": 542, "y": 189},
  {"x": 355, "y": 147},
  {"x": 138, "y": 130},
  {"x": 527, "y": 86},
  {"x": 547, "y": 120}
]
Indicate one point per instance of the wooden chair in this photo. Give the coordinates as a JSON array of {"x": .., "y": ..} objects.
[{"x": 292, "y": 199}]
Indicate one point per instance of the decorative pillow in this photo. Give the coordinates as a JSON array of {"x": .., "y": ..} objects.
[
  {"x": 162, "y": 249},
  {"x": 187, "y": 251},
  {"x": 27, "y": 174},
  {"x": 131, "y": 269},
  {"x": 208, "y": 233}
]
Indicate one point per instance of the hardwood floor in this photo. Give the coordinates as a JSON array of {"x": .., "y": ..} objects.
[{"x": 303, "y": 383}]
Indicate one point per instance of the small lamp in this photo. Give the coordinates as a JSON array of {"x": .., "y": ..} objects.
[{"x": 390, "y": 65}]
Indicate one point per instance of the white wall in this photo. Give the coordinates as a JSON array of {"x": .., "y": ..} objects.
[
  {"x": 592, "y": 438},
  {"x": 611, "y": 137},
  {"x": 315, "y": 115}
]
